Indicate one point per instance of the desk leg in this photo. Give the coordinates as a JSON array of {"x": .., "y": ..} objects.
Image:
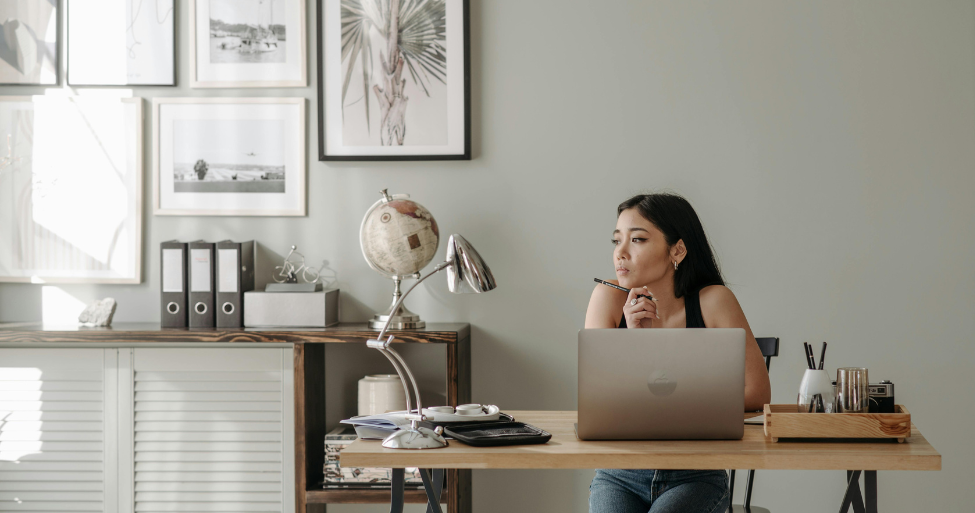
[
  {"x": 396, "y": 494},
  {"x": 434, "y": 486},
  {"x": 852, "y": 495},
  {"x": 870, "y": 489}
]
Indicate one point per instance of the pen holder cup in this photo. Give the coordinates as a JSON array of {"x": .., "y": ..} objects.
[{"x": 816, "y": 382}]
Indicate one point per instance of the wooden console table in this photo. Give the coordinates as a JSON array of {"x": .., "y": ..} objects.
[{"x": 309, "y": 386}]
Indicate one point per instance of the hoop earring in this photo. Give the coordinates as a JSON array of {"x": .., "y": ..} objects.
[{"x": 675, "y": 265}]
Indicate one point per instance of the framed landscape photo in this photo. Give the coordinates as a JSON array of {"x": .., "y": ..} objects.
[
  {"x": 70, "y": 189},
  {"x": 229, "y": 156},
  {"x": 247, "y": 43},
  {"x": 121, "y": 42},
  {"x": 29, "y": 46},
  {"x": 394, "y": 80}
]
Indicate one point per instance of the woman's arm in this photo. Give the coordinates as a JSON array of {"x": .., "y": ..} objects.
[
  {"x": 720, "y": 309},
  {"x": 605, "y": 307}
]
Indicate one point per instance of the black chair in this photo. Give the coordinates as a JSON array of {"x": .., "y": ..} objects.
[{"x": 770, "y": 348}]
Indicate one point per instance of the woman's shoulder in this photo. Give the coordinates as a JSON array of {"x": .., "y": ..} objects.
[
  {"x": 718, "y": 302},
  {"x": 605, "y": 306},
  {"x": 603, "y": 293}
]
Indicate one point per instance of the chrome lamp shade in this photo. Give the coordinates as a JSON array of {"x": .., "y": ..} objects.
[{"x": 466, "y": 273}]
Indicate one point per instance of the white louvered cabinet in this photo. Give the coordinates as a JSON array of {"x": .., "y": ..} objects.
[
  {"x": 147, "y": 429},
  {"x": 58, "y": 430},
  {"x": 213, "y": 429}
]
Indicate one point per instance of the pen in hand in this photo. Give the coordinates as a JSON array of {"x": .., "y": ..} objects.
[{"x": 624, "y": 289}]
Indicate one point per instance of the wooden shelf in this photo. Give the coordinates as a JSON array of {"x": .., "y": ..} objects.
[
  {"x": 374, "y": 496},
  {"x": 434, "y": 333},
  {"x": 310, "y": 416}
]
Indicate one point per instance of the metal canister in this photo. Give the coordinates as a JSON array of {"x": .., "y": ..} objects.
[{"x": 852, "y": 390}]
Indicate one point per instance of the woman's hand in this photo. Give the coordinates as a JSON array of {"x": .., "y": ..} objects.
[{"x": 639, "y": 315}]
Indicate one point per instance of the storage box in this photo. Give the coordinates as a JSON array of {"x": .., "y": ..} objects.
[
  {"x": 291, "y": 309},
  {"x": 786, "y": 421}
]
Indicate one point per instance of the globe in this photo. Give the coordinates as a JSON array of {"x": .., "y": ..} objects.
[{"x": 398, "y": 236}]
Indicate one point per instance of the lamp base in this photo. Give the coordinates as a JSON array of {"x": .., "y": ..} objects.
[
  {"x": 399, "y": 317},
  {"x": 406, "y": 320},
  {"x": 419, "y": 438}
]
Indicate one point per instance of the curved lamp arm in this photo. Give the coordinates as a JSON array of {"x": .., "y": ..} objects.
[{"x": 384, "y": 346}]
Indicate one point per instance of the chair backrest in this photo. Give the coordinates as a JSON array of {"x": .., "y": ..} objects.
[{"x": 769, "y": 347}]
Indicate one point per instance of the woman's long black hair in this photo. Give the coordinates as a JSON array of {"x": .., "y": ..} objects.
[{"x": 675, "y": 217}]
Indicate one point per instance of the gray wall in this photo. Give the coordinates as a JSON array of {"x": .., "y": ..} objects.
[{"x": 828, "y": 148}]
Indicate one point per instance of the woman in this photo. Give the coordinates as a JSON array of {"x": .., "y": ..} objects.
[{"x": 661, "y": 251}]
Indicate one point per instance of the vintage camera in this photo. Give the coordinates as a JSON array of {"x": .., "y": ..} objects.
[{"x": 881, "y": 397}]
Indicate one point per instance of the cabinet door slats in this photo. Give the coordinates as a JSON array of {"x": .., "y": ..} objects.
[
  {"x": 195, "y": 416},
  {"x": 146, "y": 430},
  {"x": 49, "y": 426},
  {"x": 205, "y": 436},
  {"x": 208, "y": 386},
  {"x": 206, "y": 487},
  {"x": 216, "y": 426},
  {"x": 199, "y": 395},
  {"x": 209, "y": 430},
  {"x": 216, "y": 375},
  {"x": 53, "y": 430},
  {"x": 233, "y": 456}
]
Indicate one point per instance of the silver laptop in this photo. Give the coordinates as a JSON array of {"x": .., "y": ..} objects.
[{"x": 661, "y": 384}]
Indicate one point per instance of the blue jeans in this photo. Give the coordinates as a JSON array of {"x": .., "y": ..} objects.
[{"x": 659, "y": 491}]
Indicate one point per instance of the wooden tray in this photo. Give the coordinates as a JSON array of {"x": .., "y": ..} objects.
[{"x": 785, "y": 421}]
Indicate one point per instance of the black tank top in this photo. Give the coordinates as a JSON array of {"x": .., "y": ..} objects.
[{"x": 692, "y": 312}]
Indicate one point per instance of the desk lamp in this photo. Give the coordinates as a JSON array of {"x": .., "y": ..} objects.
[{"x": 466, "y": 273}]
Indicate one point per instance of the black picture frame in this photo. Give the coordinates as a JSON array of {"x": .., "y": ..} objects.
[
  {"x": 67, "y": 50},
  {"x": 59, "y": 19},
  {"x": 322, "y": 150}
]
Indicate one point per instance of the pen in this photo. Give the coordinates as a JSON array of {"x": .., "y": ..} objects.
[
  {"x": 624, "y": 289},
  {"x": 822, "y": 356},
  {"x": 805, "y": 351}
]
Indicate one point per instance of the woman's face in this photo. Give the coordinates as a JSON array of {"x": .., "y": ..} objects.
[{"x": 642, "y": 255}]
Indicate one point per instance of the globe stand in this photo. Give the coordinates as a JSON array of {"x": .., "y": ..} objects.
[{"x": 399, "y": 317}]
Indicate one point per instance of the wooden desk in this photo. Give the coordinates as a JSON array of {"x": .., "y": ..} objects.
[{"x": 753, "y": 451}]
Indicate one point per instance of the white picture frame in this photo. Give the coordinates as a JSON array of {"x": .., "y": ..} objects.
[
  {"x": 71, "y": 189},
  {"x": 229, "y": 156},
  {"x": 239, "y": 35},
  {"x": 121, "y": 42},
  {"x": 30, "y": 46}
]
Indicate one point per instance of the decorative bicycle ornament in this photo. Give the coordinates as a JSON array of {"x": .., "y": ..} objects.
[{"x": 293, "y": 266}]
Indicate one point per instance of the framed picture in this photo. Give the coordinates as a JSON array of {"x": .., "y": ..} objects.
[
  {"x": 71, "y": 189},
  {"x": 121, "y": 42},
  {"x": 29, "y": 46},
  {"x": 247, "y": 43},
  {"x": 229, "y": 156},
  {"x": 404, "y": 96}
]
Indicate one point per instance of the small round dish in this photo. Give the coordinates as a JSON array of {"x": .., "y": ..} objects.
[{"x": 469, "y": 409}]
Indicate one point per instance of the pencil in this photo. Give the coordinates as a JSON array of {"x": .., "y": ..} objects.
[{"x": 624, "y": 289}]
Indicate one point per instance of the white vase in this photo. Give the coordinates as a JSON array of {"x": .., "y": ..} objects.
[
  {"x": 814, "y": 382},
  {"x": 379, "y": 393}
]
